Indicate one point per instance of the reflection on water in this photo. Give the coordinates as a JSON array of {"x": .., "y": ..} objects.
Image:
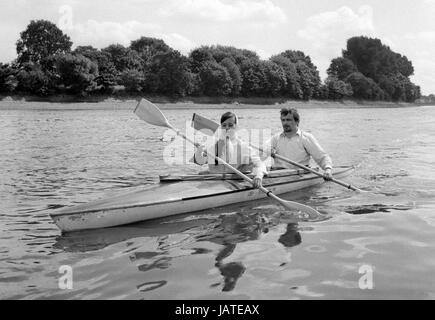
[
  {"x": 291, "y": 237},
  {"x": 235, "y": 229},
  {"x": 373, "y": 208},
  {"x": 226, "y": 230},
  {"x": 148, "y": 286},
  {"x": 52, "y": 159}
]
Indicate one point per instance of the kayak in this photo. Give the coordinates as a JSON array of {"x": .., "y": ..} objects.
[{"x": 177, "y": 194}]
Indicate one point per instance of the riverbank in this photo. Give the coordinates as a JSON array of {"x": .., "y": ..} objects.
[{"x": 65, "y": 102}]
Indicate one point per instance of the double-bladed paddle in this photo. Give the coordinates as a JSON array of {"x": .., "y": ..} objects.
[
  {"x": 209, "y": 127},
  {"x": 150, "y": 113}
]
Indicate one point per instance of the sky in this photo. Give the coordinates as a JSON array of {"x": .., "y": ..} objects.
[{"x": 319, "y": 28}]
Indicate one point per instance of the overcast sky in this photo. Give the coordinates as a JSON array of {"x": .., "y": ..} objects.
[{"x": 319, "y": 28}]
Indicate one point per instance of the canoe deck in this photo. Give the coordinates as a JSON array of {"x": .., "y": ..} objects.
[{"x": 156, "y": 194}]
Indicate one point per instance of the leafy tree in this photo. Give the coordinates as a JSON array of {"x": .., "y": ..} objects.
[
  {"x": 147, "y": 48},
  {"x": 341, "y": 68},
  {"x": 33, "y": 80},
  {"x": 399, "y": 82},
  {"x": 364, "y": 52},
  {"x": 375, "y": 71},
  {"x": 88, "y": 51},
  {"x": 397, "y": 87},
  {"x": 292, "y": 87},
  {"x": 123, "y": 58},
  {"x": 373, "y": 59},
  {"x": 298, "y": 56},
  {"x": 387, "y": 85},
  {"x": 412, "y": 92},
  {"x": 338, "y": 89},
  {"x": 364, "y": 87},
  {"x": 11, "y": 83},
  {"x": 309, "y": 82},
  {"x": 429, "y": 98},
  {"x": 195, "y": 85},
  {"x": 198, "y": 57},
  {"x": 308, "y": 75},
  {"x": 254, "y": 78},
  {"x": 168, "y": 73},
  {"x": 219, "y": 53},
  {"x": 77, "y": 73},
  {"x": 107, "y": 72},
  {"x": 238, "y": 56},
  {"x": 215, "y": 79},
  {"x": 323, "y": 93},
  {"x": 404, "y": 66},
  {"x": 232, "y": 59},
  {"x": 132, "y": 80},
  {"x": 41, "y": 39},
  {"x": 275, "y": 78},
  {"x": 8, "y": 80},
  {"x": 235, "y": 75},
  {"x": 404, "y": 89}
]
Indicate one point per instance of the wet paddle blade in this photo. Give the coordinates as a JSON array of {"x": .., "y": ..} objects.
[
  {"x": 294, "y": 206},
  {"x": 313, "y": 213},
  {"x": 149, "y": 112}
]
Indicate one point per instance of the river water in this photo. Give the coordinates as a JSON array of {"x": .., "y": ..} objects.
[{"x": 375, "y": 245}]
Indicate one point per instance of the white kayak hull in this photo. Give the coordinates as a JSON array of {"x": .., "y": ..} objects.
[{"x": 172, "y": 198}]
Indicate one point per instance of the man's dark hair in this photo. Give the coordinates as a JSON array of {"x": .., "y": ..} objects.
[
  {"x": 228, "y": 115},
  {"x": 291, "y": 111}
]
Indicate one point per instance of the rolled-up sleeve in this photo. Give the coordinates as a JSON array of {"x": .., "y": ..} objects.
[{"x": 316, "y": 151}]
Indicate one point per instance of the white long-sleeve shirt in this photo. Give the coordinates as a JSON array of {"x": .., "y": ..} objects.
[
  {"x": 299, "y": 148},
  {"x": 235, "y": 152}
]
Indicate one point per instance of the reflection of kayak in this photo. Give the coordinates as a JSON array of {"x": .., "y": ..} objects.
[
  {"x": 90, "y": 240},
  {"x": 181, "y": 194}
]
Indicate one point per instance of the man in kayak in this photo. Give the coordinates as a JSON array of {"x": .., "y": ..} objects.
[
  {"x": 297, "y": 145},
  {"x": 227, "y": 146}
]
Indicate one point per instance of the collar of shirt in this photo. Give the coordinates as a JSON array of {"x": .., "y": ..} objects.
[{"x": 298, "y": 133}]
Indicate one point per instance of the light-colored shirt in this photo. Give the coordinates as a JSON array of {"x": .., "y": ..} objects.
[
  {"x": 299, "y": 148},
  {"x": 236, "y": 153}
]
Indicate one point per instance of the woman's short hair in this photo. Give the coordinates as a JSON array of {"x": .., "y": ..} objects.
[
  {"x": 292, "y": 111},
  {"x": 228, "y": 115}
]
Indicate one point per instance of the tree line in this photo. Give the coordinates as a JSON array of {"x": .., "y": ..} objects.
[{"x": 47, "y": 65}]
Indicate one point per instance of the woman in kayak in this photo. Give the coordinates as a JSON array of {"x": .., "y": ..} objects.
[{"x": 227, "y": 146}]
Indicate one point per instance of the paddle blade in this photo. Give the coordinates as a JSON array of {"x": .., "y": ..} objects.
[
  {"x": 204, "y": 125},
  {"x": 312, "y": 213},
  {"x": 149, "y": 112}
]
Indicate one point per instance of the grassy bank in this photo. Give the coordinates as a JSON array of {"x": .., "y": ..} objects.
[{"x": 129, "y": 101}]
